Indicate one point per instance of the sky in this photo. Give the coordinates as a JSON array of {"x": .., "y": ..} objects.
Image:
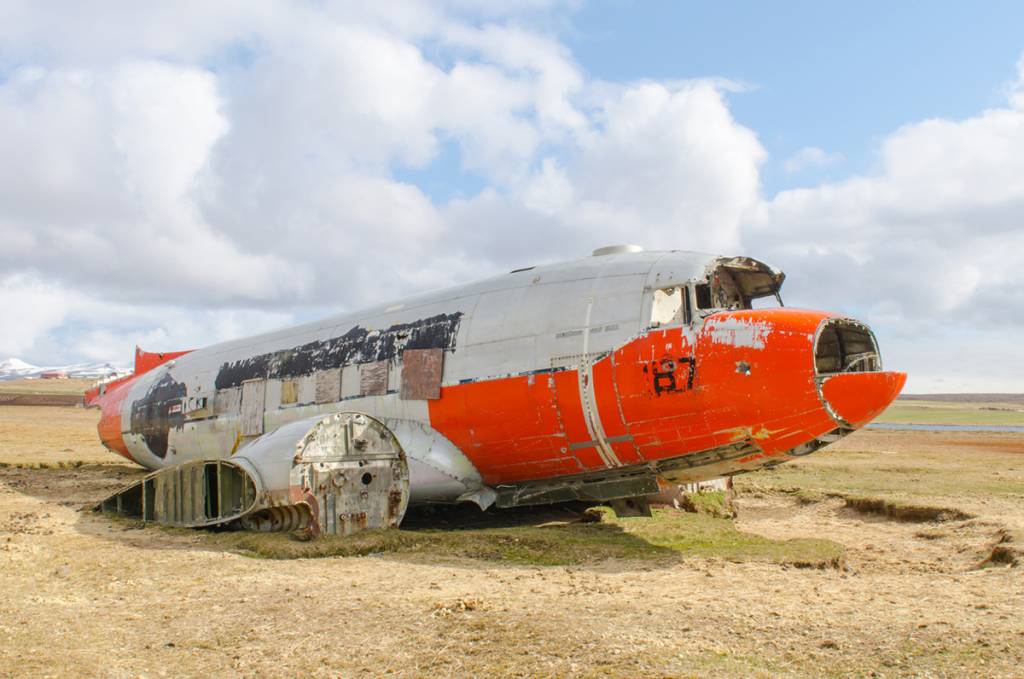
[{"x": 177, "y": 174}]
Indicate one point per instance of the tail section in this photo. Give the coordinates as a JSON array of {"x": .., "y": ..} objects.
[{"x": 144, "y": 362}]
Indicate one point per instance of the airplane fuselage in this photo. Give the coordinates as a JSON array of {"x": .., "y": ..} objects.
[{"x": 591, "y": 368}]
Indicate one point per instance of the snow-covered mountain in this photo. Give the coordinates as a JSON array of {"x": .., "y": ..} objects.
[{"x": 16, "y": 369}]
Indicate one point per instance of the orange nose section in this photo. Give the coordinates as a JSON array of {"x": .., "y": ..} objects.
[{"x": 858, "y": 398}]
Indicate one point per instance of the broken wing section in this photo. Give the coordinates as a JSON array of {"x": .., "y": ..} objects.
[
  {"x": 326, "y": 475},
  {"x": 193, "y": 494}
]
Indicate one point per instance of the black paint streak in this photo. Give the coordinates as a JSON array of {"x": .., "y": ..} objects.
[
  {"x": 151, "y": 416},
  {"x": 358, "y": 345}
]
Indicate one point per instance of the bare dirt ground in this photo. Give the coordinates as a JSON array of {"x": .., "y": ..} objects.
[{"x": 85, "y": 596}]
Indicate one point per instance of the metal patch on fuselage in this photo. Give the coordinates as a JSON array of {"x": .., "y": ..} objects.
[
  {"x": 289, "y": 392},
  {"x": 328, "y": 385},
  {"x": 373, "y": 378},
  {"x": 421, "y": 374},
  {"x": 253, "y": 396}
]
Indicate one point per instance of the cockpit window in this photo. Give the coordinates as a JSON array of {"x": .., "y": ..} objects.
[
  {"x": 703, "y": 291},
  {"x": 727, "y": 294},
  {"x": 730, "y": 283},
  {"x": 739, "y": 283},
  {"x": 671, "y": 306},
  {"x": 766, "y": 302},
  {"x": 845, "y": 346}
]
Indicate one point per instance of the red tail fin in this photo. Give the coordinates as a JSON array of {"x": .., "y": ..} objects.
[{"x": 144, "y": 362}]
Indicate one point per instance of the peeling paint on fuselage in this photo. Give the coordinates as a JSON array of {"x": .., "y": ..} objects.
[
  {"x": 738, "y": 332},
  {"x": 357, "y": 345},
  {"x": 160, "y": 410}
]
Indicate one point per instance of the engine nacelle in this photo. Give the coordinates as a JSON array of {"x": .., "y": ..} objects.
[{"x": 337, "y": 475}]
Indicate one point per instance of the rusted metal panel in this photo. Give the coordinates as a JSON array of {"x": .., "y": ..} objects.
[
  {"x": 289, "y": 392},
  {"x": 228, "y": 401},
  {"x": 373, "y": 378},
  {"x": 421, "y": 374},
  {"x": 253, "y": 394},
  {"x": 307, "y": 389},
  {"x": 328, "y": 386}
]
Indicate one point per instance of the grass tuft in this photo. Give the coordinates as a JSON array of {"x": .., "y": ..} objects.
[
  {"x": 1007, "y": 551},
  {"x": 714, "y": 503},
  {"x": 903, "y": 511}
]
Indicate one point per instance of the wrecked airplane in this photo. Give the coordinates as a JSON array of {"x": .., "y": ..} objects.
[{"x": 586, "y": 380}]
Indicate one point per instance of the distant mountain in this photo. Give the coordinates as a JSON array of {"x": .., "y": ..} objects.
[
  {"x": 16, "y": 369},
  {"x": 13, "y": 368}
]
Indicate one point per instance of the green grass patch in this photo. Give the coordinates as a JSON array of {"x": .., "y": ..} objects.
[
  {"x": 706, "y": 536},
  {"x": 924, "y": 412},
  {"x": 930, "y": 483},
  {"x": 849, "y": 474},
  {"x": 667, "y": 536},
  {"x": 710, "y": 502}
]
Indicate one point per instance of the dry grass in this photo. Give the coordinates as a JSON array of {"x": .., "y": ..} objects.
[
  {"x": 50, "y": 435},
  {"x": 45, "y": 386},
  {"x": 86, "y": 596}
]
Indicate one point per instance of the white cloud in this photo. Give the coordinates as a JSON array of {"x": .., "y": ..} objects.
[
  {"x": 936, "y": 233},
  {"x": 930, "y": 248},
  {"x": 188, "y": 174},
  {"x": 810, "y": 157},
  {"x": 101, "y": 193},
  {"x": 667, "y": 167},
  {"x": 46, "y": 323},
  {"x": 32, "y": 309}
]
